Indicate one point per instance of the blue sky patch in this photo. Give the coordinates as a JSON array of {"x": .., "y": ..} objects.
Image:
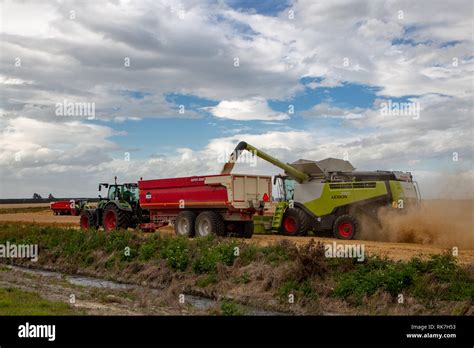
[{"x": 264, "y": 7}]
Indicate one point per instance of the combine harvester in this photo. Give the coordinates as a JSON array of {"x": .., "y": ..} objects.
[{"x": 328, "y": 195}]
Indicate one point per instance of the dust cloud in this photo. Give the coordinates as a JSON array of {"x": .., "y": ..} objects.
[{"x": 448, "y": 223}]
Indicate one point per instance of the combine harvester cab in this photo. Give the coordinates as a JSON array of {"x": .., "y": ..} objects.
[
  {"x": 204, "y": 205},
  {"x": 329, "y": 195}
]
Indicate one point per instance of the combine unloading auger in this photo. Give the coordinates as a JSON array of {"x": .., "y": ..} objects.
[{"x": 290, "y": 170}]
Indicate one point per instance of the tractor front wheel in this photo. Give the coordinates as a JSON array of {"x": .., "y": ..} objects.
[{"x": 115, "y": 218}]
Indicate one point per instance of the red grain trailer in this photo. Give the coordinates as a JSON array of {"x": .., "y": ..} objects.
[
  {"x": 201, "y": 205},
  {"x": 71, "y": 207},
  {"x": 63, "y": 208}
]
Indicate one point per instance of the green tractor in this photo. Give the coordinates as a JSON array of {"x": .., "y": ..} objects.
[
  {"x": 119, "y": 209},
  {"x": 329, "y": 195}
]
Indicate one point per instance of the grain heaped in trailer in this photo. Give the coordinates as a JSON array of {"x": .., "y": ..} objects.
[{"x": 201, "y": 205}]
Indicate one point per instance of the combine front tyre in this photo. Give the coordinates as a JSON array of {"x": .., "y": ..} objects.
[
  {"x": 87, "y": 221},
  {"x": 295, "y": 222},
  {"x": 114, "y": 218},
  {"x": 247, "y": 230}
]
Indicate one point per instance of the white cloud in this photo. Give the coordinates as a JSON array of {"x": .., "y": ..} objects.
[
  {"x": 326, "y": 110},
  {"x": 29, "y": 143},
  {"x": 82, "y": 60},
  {"x": 246, "y": 110}
]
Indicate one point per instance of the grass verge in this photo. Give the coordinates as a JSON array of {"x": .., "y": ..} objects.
[
  {"x": 270, "y": 274},
  {"x": 19, "y": 302}
]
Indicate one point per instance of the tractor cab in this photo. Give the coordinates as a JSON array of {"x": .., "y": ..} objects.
[
  {"x": 124, "y": 194},
  {"x": 120, "y": 192}
]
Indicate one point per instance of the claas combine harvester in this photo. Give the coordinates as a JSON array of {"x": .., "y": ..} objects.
[{"x": 328, "y": 195}]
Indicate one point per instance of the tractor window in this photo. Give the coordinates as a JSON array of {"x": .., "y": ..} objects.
[
  {"x": 130, "y": 194},
  {"x": 111, "y": 194},
  {"x": 134, "y": 191}
]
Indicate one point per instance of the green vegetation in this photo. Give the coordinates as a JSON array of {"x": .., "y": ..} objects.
[
  {"x": 277, "y": 253},
  {"x": 299, "y": 290},
  {"x": 210, "y": 262},
  {"x": 18, "y": 302},
  {"x": 209, "y": 258},
  {"x": 244, "y": 278},
  {"x": 439, "y": 277},
  {"x": 230, "y": 308},
  {"x": 207, "y": 280},
  {"x": 176, "y": 251}
]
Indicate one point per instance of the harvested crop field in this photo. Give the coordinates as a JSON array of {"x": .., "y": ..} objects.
[
  {"x": 42, "y": 217},
  {"x": 23, "y": 205}
]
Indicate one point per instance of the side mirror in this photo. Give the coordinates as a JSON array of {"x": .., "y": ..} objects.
[{"x": 100, "y": 187}]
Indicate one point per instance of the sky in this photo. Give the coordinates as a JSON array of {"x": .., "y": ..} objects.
[{"x": 155, "y": 89}]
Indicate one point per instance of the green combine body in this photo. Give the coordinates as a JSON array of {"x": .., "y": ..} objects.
[{"x": 329, "y": 195}]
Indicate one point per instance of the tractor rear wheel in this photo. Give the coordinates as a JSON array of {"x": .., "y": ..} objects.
[
  {"x": 295, "y": 222},
  {"x": 86, "y": 221},
  {"x": 115, "y": 218},
  {"x": 345, "y": 227},
  {"x": 184, "y": 224},
  {"x": 209, "y": 222}
]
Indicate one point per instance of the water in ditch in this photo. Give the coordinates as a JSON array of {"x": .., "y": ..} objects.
[{"x": 199, "y": 302}]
